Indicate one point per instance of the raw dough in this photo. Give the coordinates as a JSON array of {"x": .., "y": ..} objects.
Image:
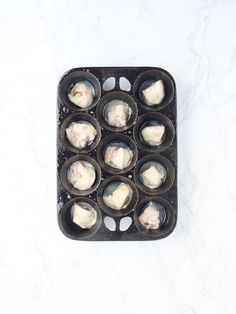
[
  {"x": 118, "y": 157},
  {"x": 150, "y": 217},
  {"x": 81, "y": 174},
  {"x": 81, "y": 134},
  {"x": 153, "y": 134},
  {"x": 154, "y": 94},
  {"x": 83, "y": 215},
  {"x": 118, "y": 196},
  {"x": 82, "y": 95},
  {"x": 117, "y": 113},
  {"x": 153, "y": 176}
]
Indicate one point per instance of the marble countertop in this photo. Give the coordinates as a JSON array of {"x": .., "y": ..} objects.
[{"x": 193, "y": 270}]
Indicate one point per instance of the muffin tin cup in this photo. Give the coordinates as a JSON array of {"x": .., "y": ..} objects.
[
  {"x": 72, "y": 230},
  {"x": 114, "y": 212},
  {"x": 168, "y": 224},
  {"x": 118, "y": 138},
  {"x": 117, "y": 96},
  {"x": 64, "y": 179},
  {"x": 168, "y": 135},
  {"x": 152, "y": 76},
  {"x": 69, "y": 80},
  {"x": 76, "y": 118},
  {"x": 166, "y": 185}
]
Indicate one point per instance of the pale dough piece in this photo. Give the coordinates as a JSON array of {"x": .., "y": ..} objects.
[
  {"x": 117, "y": 113},
  {"x": 118, "y": 198},
  {"x": 84, "y": 217},
  {"x": 150, "y": 217},
  {"x": 81, "y": 95},
  {"x": 118, "y": 157},
  {"x": 154, "y": 94},
  {"x": 153, "y": 134},
  {"x": 80, "y": 134},
  {"x": 81, "y": 175},
  {"x": 153, "y": 177}
]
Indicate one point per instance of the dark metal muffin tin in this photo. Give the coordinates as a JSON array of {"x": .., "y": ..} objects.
[{"x": 166, "y": 153}]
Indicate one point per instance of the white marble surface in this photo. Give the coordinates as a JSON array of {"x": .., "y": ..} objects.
[{"x": 192, "y": 271}]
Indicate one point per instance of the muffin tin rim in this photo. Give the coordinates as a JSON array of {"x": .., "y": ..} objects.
[
  {"x": 65, "y": 83},
  {"x": 85, "y": 117},
  {"x": 155, "y": 232},
  {"x": 117, "y": 95},
  {"x": 105, "y": 142},
  {"x": 155, "y": 149},
  {"x": 140, "y": 101},
  {"x": 64, "y": 179},
  {"x": 67, "y": 207},
  {"x": 114, "y": 213},
  {"x": 165, "y": 186}
]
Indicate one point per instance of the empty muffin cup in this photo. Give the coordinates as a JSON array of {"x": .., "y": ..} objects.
[
  {"x": 154, "y": 132},
  {"x": 80, "y": 133},
  {"x": 154, "y": 174},
  {"x": 117, "y": 111},
  {"x": 80, "y": 218},
  {"x": 79, "y": 90},
  {"x": 80, "y": 175},
  {"x": 154, "y": 217},
  {"x": 154, "y": 89},
  {"x": 117, "y": 153},
  {"x": 117, "y": 196}
]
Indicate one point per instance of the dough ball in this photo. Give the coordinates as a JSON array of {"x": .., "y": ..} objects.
[
  {"x": 83, "y": 215},
  {"x": 153, "y": 174},
  {"x": 117, "y": 195},
  {"x": 81, "y": 174},
  {"x": 150, "y": 217},
  {"x": 153, "y": 134},
  {"x": 82, "y": 94},
  {"x": 154, "y": 94},
  {"x": 81, "y": 134},
  {"x": 117, "y": 113},
  {"x": 118, "y": 155}
]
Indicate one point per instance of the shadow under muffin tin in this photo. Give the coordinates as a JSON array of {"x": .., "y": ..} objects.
[{"x": 127, "y": 85}]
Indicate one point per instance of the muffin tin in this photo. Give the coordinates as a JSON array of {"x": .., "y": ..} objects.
[{"x": 165, "y": 153}]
